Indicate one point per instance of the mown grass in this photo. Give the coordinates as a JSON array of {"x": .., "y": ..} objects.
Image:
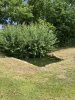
[
  {"x": 40, "y": 86},
  {"x": 23, "y": 81}
]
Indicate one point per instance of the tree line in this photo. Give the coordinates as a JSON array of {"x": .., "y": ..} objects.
[{"x": 56, "y": 16}]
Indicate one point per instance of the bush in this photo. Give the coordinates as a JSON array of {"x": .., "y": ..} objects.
[{"x": 23, "y": 41}]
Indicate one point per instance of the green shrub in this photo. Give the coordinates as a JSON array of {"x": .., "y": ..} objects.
[{"x": 23, "y": 41}]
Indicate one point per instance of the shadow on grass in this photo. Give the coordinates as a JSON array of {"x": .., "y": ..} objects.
[{"x": 42, "y": 62}]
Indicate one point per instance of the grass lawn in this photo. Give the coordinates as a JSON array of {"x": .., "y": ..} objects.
[{"x": 21, "y": 80}]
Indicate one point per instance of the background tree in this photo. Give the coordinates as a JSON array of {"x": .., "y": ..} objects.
[
  {"x": 16, "y": 10},
  {"x": 59, "y": 13},
  {"x": 71, "y": 2}
]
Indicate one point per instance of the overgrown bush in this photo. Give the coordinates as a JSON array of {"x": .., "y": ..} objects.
[{"x": 35, "y": 40}]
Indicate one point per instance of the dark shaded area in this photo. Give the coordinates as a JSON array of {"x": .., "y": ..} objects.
[{"x": 42, "y": 62}]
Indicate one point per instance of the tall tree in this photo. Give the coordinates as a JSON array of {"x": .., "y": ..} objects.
[
  {"x": 16, "y": 10},
  {"x": 57, "y": 12}
]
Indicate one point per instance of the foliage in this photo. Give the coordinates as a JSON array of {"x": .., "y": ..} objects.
[
  {"x": 23, "y": 41},
  {"x": 64, "y": 19},
  {"x": 60, "y": 13},
  {"x": 16, "y": 10},
  {"x": 71, "y": 2}
]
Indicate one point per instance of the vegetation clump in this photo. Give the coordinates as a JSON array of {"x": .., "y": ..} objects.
[
  {"x": 31, "y": 38},
  {"x": 34, "y": 40}
]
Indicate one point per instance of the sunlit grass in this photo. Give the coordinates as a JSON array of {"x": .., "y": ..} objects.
[
  {"x": 52, "y": 82},
  {"x": 42, "y": 86}
]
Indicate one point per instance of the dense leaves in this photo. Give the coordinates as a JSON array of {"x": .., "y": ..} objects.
[
  {"x": 16, "y": 10},
  {"x": 23, "y": 41},
  {"x": 36, "y": 39},
  {"x": 60, "y": 13}
]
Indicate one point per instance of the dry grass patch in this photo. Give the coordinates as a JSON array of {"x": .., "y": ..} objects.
[{"x": 20, "y": 80}]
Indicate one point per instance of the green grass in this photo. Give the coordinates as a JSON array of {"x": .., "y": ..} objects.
[
  {"x": 24, "y": 81},
  {"x": 41, "y": 86}
]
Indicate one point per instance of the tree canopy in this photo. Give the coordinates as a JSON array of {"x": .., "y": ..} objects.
[
  {"x": 60, "y": 13},
  {"x": 16, "y": 10}
]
